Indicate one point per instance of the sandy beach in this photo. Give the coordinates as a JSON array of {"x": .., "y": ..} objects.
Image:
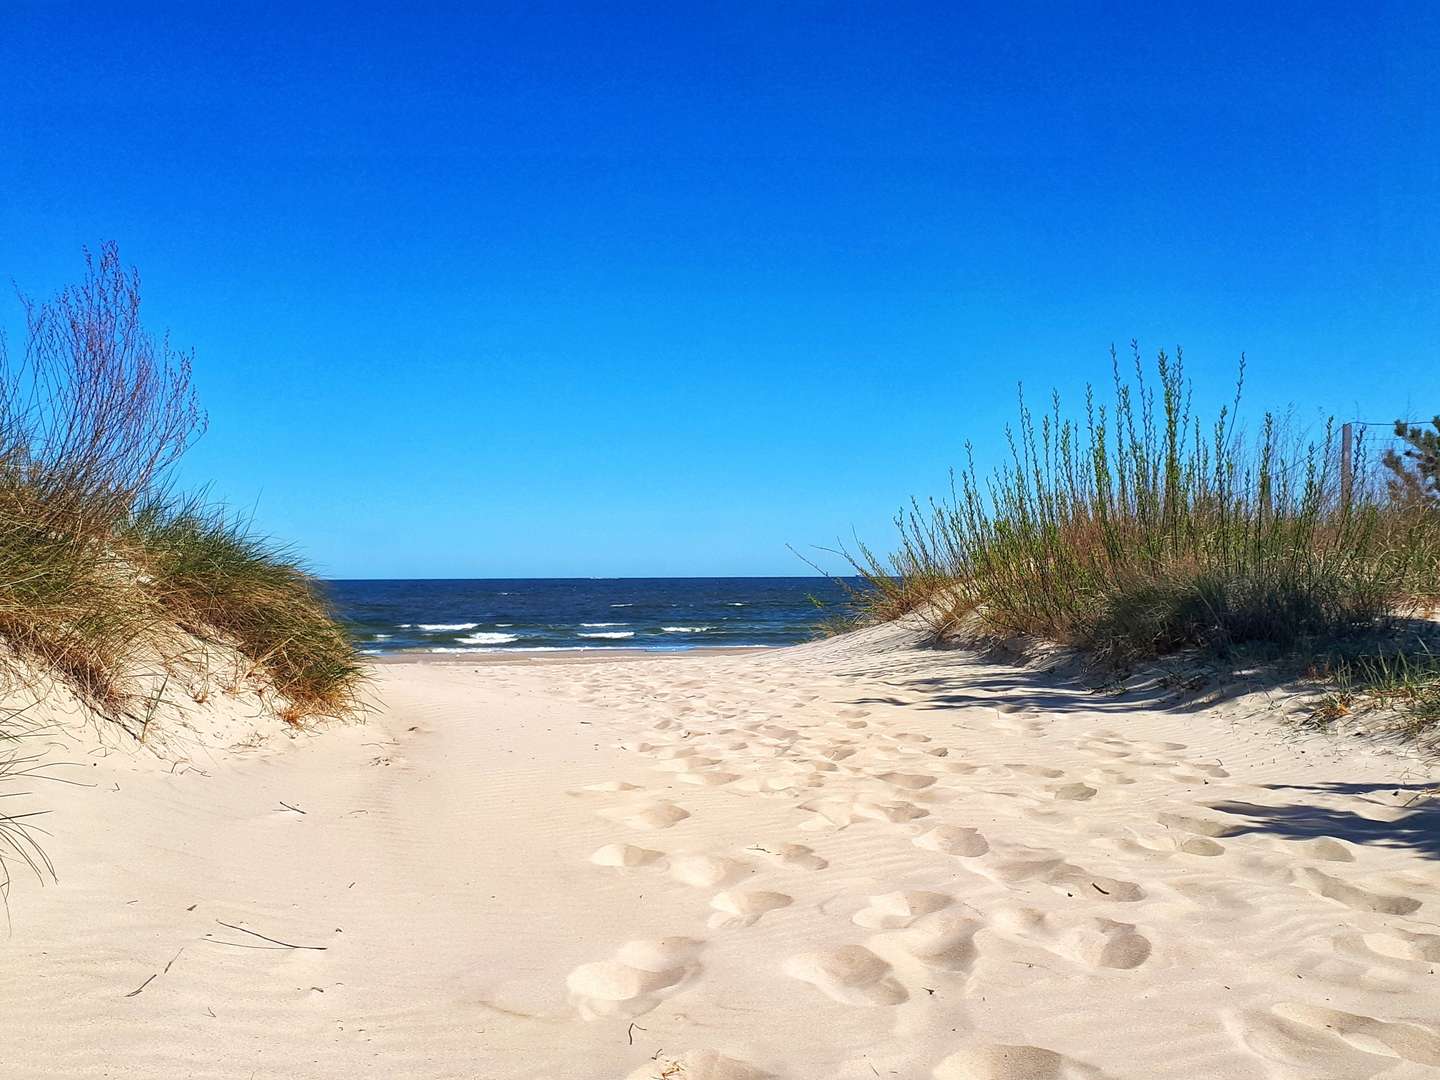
[{"x": 850, "y": 859}]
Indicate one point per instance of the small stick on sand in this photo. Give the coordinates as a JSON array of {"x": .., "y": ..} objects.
[
  {"x": 273, "y": 941},
  {"x": 163, "y": 971}
]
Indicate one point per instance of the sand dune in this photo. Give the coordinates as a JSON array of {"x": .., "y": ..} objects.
[{"x": 835, "y": 862}]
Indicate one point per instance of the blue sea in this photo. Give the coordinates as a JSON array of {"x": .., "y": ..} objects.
[{"x": 516, "y": 615}]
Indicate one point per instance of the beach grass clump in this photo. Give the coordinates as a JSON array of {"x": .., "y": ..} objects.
[
  {"x": 1402, "y": 680},
  {"x": 213, "y": 576},
  {"x": 102, "y": 566},
  {"x": 19, "y": 841},
  {"x": 1142, "y": 528}
]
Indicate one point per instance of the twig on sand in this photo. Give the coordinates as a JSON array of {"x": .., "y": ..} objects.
[
  {"x": 163, "y": 971},
  {"x": 142, "y": 986},
  {"x": 287, "y": 806},
  {"x": 262, "y": 937},
  {"x": 630, "y": 1032}
]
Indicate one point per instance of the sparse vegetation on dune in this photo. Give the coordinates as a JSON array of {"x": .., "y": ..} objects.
[
  {"x": 1143, "y": 528},
  {"x": 102, "y": 567}
]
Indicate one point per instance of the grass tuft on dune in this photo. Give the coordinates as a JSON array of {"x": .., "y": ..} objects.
[
  {"x": 103, "y": 568},
  {"x": 1142, "y": 528}
]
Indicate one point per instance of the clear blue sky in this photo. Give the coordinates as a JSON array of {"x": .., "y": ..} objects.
[{"x": 621, "y": 290}]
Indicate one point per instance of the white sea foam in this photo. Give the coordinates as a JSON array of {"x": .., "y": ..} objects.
[
  {"x": 591, "y": 625},
  {"x": 735, "y": 603},
  {"x": 439, "y": 626},
  {"x": 615, "y": 634},
  {"x": 489, "y": 639},
  {"x": 556, "y": 648},
  {"x": 622, "y": 605},
  {"x": 686, "y": 629},
  {"x": 507, "y": 652}
]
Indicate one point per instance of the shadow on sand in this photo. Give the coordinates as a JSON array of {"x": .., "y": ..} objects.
[
  {"x": 1409, "y": 818},
  {"x": 1411, "y": 823}
]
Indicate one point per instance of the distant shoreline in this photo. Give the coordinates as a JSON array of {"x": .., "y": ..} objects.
[{"x": 569, "y": 656}]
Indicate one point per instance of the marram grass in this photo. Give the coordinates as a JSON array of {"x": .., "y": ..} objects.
[
  {"x": 101, "y": 565},
  {"x": 1140, "y": 528}
]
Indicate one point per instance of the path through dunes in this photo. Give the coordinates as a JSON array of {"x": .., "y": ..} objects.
[{"x": 839, "y": 861}]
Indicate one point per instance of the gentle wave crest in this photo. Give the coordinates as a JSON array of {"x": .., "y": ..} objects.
[
  {"x": 686, "y": 629},
  {"x": 434, "y": 627},
  {"x": 614, "y": 634},
  {"x": 489, "y": 639}
]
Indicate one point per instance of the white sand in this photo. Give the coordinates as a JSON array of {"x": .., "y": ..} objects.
[{"x": 846, "y": 860}]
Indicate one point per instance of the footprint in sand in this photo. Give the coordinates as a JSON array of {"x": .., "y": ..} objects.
[
  {"x": 1415, "y": 946},
  {"x": 790, "y": 856},
  {"x": 742, "y": 907},
  {"x": 1037, "y": 770},
  {"x": 687, "y": 763},
  {"x": 1097, "y": 942},
  {"x": 1403, "y": 945},
  {"x": 897, "y": 910},
  {"x": 775, "y": 785},
  {"x": 1200, "y": 845},
  {"x": 944, "y": 940},
  {"x": 625, "y": 855},
  {"x": 709, "y": 778},
  {"x": 1326, "y": 849},
  {"x": 1328, "y": 1042},
  {"x": 995, "y": 1061},
  {"x": 959, "y": 768},
  {"x": 1051, "y": 869},
  {"x": 707, "y": 871},
  {"x": 697, "y": 1065},
  {"x": 641, "y": 973},
  {"x": 866, "y": 809},
  {"x": 906, "y": 781},
  {"x": 1200, "y": 826},
  {"x": 1410, "y": 1042},
  {"x": 851, "y": 974},
  {"x": 1103, "y": 776},
  {"x": 1352, "y": 896},
  {"x": 953, "y": 840},
  {"x": 660, "y": 815},
  {"x": 607, "y": 787},
  {"x": 1073, "y": 792}
]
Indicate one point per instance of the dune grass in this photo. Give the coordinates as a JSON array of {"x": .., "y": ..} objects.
[
  {"x": 1401, "y": 680},
  {"x": 101, "y": 564},
  {"x": 19, "y": 842},
  {"x": 212, "y": 576},
  {"x": 1142, "y": 528}
]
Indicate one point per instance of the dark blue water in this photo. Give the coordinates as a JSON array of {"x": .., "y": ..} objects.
[{"x": 583, "y": 613}]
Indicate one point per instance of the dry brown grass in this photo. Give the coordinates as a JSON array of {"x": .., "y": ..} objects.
[{"x": 100, "y": 564}]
